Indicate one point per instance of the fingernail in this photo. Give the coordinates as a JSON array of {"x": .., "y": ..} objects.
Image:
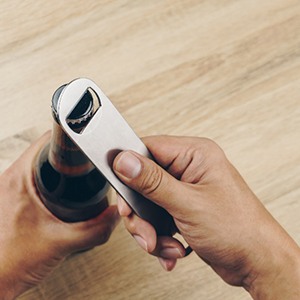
[
  {"x": 163, "y": 263},
  {"x": 128, "y": 165},
  {"x": 120, "y": 205},
  {"x": 170, "y": 253},
  {"x": 141, "y": 242},
  {"x": 167, "y": 264}
]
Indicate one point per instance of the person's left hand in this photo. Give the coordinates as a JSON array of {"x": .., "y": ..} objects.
[{"x": 32, "y": 240}]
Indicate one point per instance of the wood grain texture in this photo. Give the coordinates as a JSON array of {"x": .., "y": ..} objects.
[{"x": 225, "y": 69}]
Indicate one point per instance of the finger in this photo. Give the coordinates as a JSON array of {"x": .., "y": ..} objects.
[
  {"x": 142, "y": 231},
  {"x": 145, "y": 236},
  {"x": 123, "y": 208},
  {"x": 93, "y": 232},
  {"x": 168, "y": 247},
  {"x": 186, "y": 158},
  {"x": 170, "y": 152},
  {"x": 149, "y": 179},
  {"x": 166, "y": 148},
  {"x": 167, "y": 263}
]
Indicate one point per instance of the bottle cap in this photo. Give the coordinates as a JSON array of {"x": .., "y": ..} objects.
[{"x": 81, "y": 113}]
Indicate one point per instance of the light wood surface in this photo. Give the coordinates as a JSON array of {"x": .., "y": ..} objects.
[{"x": 224, "y": 69}]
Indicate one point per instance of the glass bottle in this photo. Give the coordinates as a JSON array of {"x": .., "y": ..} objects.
[{"x": 67, "y": 182}]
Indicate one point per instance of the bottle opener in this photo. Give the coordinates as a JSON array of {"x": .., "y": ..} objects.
[{"x": 107, "y": 134}]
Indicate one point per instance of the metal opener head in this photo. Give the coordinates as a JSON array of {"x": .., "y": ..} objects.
[{"x": 107, "y": 134}]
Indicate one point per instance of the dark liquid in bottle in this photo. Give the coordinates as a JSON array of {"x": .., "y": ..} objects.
[{"x": 71, "y": 198}]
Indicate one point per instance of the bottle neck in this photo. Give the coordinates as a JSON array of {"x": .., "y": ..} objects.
[{"x": 64, "y": 156}]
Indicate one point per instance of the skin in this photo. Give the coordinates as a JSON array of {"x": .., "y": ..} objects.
[
  {"x": 33, "y": 241},
  {"x": 224, "y": 222},
  {"x": 216, "y": 213}
]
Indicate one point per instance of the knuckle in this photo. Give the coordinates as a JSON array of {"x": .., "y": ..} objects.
[
  {"x": 151, "y": 181},
  {"x": 204, "y": 154},
  {"x": 131, "y": 225},
  {"x": 105, "y": 235},
  {"x": 213, "y": 150}
]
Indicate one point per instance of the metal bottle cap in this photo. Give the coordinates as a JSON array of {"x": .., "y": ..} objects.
[{"x": 80, "y": 114}]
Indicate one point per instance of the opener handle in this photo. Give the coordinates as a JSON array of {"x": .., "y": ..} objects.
[{"x": 104, "y": 137}]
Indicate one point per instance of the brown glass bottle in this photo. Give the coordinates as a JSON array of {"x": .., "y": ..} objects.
[{"x": 67, "y": 182}]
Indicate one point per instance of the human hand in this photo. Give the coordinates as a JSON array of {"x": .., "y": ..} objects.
[
  {"x": 33, "y": 241},
  {"x": 213, "y": 209}
]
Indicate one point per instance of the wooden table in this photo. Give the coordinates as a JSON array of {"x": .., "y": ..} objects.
[{"x": 227, "y": 69}]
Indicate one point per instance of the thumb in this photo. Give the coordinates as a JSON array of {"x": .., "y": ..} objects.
[{"x": 149, "y": 179}]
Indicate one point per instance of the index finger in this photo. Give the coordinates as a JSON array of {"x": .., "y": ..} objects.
[{"x": 174, "y": 153}]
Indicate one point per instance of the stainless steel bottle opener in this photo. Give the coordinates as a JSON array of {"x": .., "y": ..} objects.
[{"x": 103, "y": 138}]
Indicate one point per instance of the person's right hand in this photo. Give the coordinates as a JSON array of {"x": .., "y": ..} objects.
[{"x": 216, "y": 213}]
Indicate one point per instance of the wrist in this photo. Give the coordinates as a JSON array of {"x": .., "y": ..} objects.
[{"x": 277, "y": 276}]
